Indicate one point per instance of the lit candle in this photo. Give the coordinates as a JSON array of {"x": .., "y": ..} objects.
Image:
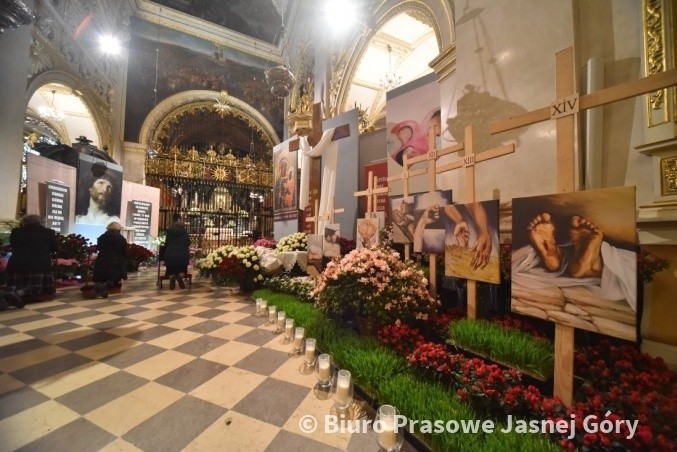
[
  {"x": 298, "y": 337},
  {"x": 258, "y": 306},
  {"x": 288, "y": 328},
  {"x": 388, "y": 435},
  {"x": 281, "y": 316},
  {"x": 324, "y": 367},
  {"x": 272, "y": 312},
  {"x": 310, "y": 350},
  {"x": 263, "y": 308},
  {"x": 342, "y": 395}
]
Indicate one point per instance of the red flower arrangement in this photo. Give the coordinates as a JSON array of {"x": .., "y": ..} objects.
[
  {"x": 506, "y": 260},
  {"x": 346, "y": 245},
  {"x": 138, "y": 253},
  {"x": 400, "y": 337},
  {"x": 230, "y": 270}
]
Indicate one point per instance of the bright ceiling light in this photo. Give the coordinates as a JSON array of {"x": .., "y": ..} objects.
[
  {"x": 340, "y": 14},
  {"x": 109, "y": 45}
]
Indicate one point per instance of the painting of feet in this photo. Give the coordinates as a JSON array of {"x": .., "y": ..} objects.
[
  {"x": 574, "y": 260},
  {"x": 471, "y": 241}
]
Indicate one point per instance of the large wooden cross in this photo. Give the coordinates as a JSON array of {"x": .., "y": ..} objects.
[
  {"x": 432, "y": 156},
  {"x": 567, "y": 102},
  {"x": 316, "y": 163},
  {"x": 372, "y": 192},
  {"x": 468, "y": 162}
]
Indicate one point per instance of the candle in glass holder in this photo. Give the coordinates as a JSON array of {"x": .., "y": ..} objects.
[
  {"x": 343, "y": 395},
  {"x": 272, "y": 313},
  {"x": 258, "y": 306},
  {"x": 263, "y": 308},
  {"x": 388, "y": 438},
  {"x": 298, "y": 337},
  {"x": 324, "y": 367},
  {"x": 288, "y": 328},
  {"x": 281, "y": 317},
  {"x": 310, "y": 350}
]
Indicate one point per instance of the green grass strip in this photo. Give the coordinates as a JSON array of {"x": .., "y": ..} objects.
[{"x": 510, "y": 347}]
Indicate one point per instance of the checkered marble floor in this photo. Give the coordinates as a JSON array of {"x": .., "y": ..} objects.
[{"x": 155, "y": 370}]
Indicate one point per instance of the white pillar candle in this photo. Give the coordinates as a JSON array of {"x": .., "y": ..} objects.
[
  {"x": 342, "y": 396},
  {"x": 387, "y": 436},
  {"x": 288, "y": 328},
  {"x": 310, "y": 350},
  {"x": 281, "y": 316},
  {"x": 324, "y": 367},
  {"x": 298, "y": 337},
  {"x": 272, "y": 313}
]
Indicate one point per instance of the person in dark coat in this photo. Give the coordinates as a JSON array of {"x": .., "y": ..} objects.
[
  {"x": 29, "y": 270},
  {"x": 177, "y": 254},
  {"x": 110, "y": 265}
]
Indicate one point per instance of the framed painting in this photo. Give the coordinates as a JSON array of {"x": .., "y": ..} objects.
[{"x": 574, "y": 260}]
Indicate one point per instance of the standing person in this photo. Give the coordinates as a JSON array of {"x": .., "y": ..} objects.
[
  {"x": 110, "y": 265},
  {"x": 177, "y": 254},
  {"x": 29, "y": 270}
]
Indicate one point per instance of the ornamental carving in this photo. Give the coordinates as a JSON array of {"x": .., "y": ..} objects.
[
  {"x": 669, "y": 176},
  {"x": 655, "y": 58}
]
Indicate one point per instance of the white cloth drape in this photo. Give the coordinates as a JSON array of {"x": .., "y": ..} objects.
[{"x": 324, "y": 148}]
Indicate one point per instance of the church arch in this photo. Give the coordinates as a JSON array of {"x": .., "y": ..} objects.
[
  {"x": 174, "y": 105},
  {"x": 99, "y": 117}
]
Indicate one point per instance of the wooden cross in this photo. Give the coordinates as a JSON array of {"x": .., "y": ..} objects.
[
  {"x": 315, "y": 219},
  {"x": 468, "y": 162},
  {"x": 404, "y": 177},
  {"x": 562, "y": 110},
  {"x": 329, "y": 215},
  {"x": 371, "y": 193}
]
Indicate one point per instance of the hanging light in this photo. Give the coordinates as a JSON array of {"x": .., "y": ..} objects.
[
  {"x": 280, "y": 80},
  {"x": 49, "y": 112},
  {"x": 391, "y": 79}
]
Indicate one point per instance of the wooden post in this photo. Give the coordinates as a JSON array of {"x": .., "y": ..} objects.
[
  {"x": 315, "y": 219},
  {"x": 404, "y": 177}
]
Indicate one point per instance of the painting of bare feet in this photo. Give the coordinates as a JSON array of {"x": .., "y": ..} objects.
[
  {"x": 574, "y": 260},
  {"x": 471, "y": 241}
]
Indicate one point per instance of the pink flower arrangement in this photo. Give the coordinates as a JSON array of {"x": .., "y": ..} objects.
[
  {"x": 376, "y": 284},
  {"x": 266, "y": 243}
]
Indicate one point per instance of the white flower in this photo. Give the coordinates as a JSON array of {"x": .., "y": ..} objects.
[
  {"x": 247, "y": 264},
  {"x": 259, "y": 278},
  {"x": 256, "y": 267}
]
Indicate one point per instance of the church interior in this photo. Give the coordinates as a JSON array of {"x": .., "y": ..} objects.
[{"x": 365, "y": 274}]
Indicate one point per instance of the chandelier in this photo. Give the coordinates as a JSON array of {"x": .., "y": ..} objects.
[
  {"x": 221, "y": 106},
  {"x": 391, "y": 79},
  {"x": 280, "y": 80},
  {"x": 49, "y": 112}
]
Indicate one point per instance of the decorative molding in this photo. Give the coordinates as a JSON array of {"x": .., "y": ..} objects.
[
  {"x": 134, "y": 148},
  {"x": 655, "y": 50},
  {"x": 444, "y": 64}
]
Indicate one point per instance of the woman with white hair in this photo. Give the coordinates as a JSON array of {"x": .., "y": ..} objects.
[{"x": 110, "y": 266}]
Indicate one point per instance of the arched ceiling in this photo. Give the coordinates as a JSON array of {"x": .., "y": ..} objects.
[
  {"x": 413, "y": 45},
  {"x": 77, "y": 117}
]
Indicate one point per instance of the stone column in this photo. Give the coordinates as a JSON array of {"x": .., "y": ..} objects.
[{"x": 14, "y": 50}]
